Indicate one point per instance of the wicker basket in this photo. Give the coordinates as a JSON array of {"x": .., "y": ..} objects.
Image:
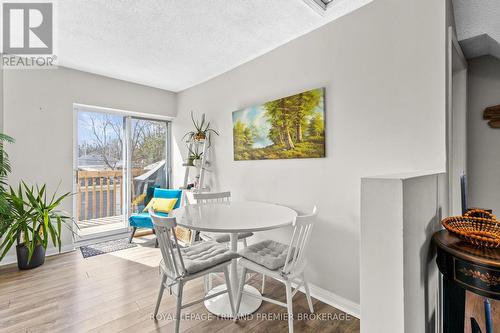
[
  {"x": 475, "y": 230},
  {"x": 480, "y": 213},
  {"x": 183, "y": 234}
]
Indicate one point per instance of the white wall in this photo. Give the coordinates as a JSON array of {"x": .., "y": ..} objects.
[
  {"x": 382, "y": 257},
  {"x": 1, "y": 97},
  {"x": 456, "y": 104},
  {"x": 483, "y": 141},
  {"x": 38, "y": 113},
  {"x": 458, "y": 146},
  {"x": 384, "y": 73},
  {"x": 399, "y": 277},
  {"x": 425, "y": 203}
]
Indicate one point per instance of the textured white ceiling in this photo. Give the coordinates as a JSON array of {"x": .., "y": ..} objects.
[
  {"x": 175, "y": 44},
  {"x": 477, "y": 17}
]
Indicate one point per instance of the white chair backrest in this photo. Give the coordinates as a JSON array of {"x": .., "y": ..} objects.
[
  {"x": 165, "y": 232},
  {"x": 296, "y": 256},
  {"x": 212, "y": 197}
]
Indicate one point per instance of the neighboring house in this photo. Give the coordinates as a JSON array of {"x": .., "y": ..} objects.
[{"x": 94, "y": 161}]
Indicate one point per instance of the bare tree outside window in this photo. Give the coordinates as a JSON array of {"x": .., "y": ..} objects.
[{"x": 104, "y": 139}]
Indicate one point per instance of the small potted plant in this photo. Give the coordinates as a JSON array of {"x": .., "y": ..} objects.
[
  {"x": 202, "y": 129},
  {"x": 195, "y": 156},
  {"x": 34, "y": 221}
]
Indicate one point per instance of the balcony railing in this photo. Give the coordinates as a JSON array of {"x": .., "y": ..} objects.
[{"x": 99, "y": 193}]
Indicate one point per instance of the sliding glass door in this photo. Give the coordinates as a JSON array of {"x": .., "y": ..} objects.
[
  {"x": 100, "y": 171},
  {"x": 148, "y": 159},
  {"x": 117, "y": 159}
]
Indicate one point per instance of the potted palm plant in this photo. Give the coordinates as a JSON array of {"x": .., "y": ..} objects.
[
  {"x": 35, "y": 221},
  {"x": 27, "y": 217}
]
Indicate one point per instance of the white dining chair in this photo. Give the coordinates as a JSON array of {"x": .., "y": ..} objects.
[
  {"x": 285, "y": 263},
  {"x": 210, "y": 198},
  {"x": 180, "y": 265}
]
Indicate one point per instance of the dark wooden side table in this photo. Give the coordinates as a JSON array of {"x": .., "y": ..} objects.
[{"x": 464, "y": 267}]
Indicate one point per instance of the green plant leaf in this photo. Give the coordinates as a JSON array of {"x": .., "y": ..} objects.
[
  {"x": 6, "y": 245},
  {"x": 202, "y": 123},
  {"x": 195, "y": 123}
]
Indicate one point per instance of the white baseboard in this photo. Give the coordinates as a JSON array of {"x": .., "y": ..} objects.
[
  {"x": 332, "y": 299},
  {"x": 12, "y": 258},
  {"x": 99, "y": 238}
]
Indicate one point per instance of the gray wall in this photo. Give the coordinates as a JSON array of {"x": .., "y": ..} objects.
[
  {"x": 399, "y": 215},
  {"x": 1, "y": 97},
  {"x": 38, "y": 113},
  {"x": 483, "y": 161},
  {"x": 456, "y": 80},
  {"x": 425, "y": 203},
  {"x": 384, "y": 73}
]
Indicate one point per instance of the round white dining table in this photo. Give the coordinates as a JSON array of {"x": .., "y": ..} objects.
[{"x": 234, "y": 218}]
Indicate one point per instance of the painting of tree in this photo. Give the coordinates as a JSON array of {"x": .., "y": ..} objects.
[{"x": 289, "y": 127}]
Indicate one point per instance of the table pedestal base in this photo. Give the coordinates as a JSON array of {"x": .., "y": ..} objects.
[{"x": 221, "y": 307}]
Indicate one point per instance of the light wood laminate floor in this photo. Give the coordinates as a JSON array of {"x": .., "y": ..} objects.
[{"x": 116, "y": 292}]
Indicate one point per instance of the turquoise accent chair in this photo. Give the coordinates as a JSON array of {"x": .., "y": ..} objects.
[{"x": 143, "y": 220}]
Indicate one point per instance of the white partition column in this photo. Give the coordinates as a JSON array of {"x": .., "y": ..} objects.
[{"x": 399, "y": 277}]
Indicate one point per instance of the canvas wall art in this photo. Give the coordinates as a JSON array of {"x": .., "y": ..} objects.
[{"x": 289, "y": 127}]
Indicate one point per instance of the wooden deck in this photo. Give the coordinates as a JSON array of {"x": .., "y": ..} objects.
[
  {"x": 116, "y": 292},
  {"x": 100, "y": 221}
]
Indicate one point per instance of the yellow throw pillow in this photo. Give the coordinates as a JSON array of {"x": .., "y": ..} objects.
[{"x": 162, "y": 205}]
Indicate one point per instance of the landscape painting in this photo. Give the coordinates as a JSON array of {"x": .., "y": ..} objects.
[{"x": 289, "y": 127}]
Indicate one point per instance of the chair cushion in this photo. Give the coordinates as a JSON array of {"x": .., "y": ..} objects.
[
  {"x": 223, "y": 238},
  {"x": 268, "y": 253},
  {"x": 142, "y": 220},
  {"x": 204, "y": 255},
  {"x": 162, "y": 205}
]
